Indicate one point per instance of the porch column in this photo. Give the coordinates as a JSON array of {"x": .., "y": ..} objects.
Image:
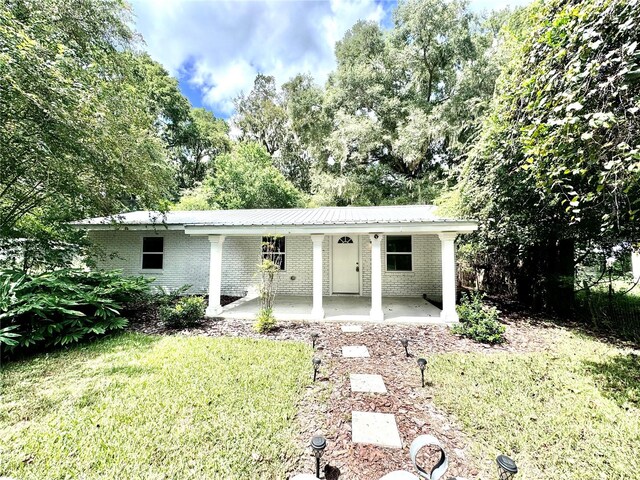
[
  {"x": 317, "y": 313},
  {"x": 447, "y": 241},
  {"x": 376, "y": 278},
  {"x": 215, "y": 275}
]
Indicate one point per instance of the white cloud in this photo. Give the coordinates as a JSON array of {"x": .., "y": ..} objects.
[{"x": 220, "y": 46}]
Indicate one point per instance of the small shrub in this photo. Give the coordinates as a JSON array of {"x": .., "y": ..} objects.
[
  {"x": 478, "y": 321},
  {"x": 265, "y": 321},
  {"x": 186, "y": 312}
]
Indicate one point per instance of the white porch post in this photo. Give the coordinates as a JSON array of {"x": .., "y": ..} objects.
[
  {"x": 447, "y": 241},
  {"x": 215, "y": 275},
  {"x": 317, "y": 313},
  {"x": 376, "y": 278}
]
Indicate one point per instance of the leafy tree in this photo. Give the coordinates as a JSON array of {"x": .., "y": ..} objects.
[
  {"x": 282, "y": 122},
  {"x": 260, "y": 116},
  {"x": 202, "y": 138},
  {"x": 409, "y": 101},
  {"x": 244, "y": 178},
  {"x": 79, "y": 132},
  {"x": 557, "y": 169}
]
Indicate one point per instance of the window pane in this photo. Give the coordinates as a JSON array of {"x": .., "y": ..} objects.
[
  {"x": 399, "y": 243},
  {"x": 270, "y": 244},
  {"x": 152, "y": 261},
  {"x": 398, "y": 262},
  {"x": 152, "y": 244}
]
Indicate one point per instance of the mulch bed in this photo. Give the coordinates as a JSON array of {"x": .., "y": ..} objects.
[{"x": 326, "y": 406}]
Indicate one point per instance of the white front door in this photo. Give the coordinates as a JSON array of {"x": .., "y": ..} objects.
[{"x": 345, "y": 268}]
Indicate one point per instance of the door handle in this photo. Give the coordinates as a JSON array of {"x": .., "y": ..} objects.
[{"x": 357, "y": 267}]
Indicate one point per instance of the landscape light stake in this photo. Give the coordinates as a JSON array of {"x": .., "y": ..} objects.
[
  {"x": 314, "y": 339},
  {"x": 507, "y": 468},
  {"x": 316, "y": 367},
  {"x": 318, "y": 444},
  {"x": 422, "y": 363},
  {"x": 405, "y": 344}
]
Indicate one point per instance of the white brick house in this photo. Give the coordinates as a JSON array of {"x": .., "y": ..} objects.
[{"x": 372, "y": 252}]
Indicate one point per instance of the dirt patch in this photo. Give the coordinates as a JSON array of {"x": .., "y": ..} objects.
[{"x": 326, "y": 406}]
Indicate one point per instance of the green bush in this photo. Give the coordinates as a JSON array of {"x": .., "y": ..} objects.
[
  {"x": 265, "y": 321},
  {"x": 62, "y": 307},
  {"x": 478, "y": 321},
  {"x": 186, "y": 312}
]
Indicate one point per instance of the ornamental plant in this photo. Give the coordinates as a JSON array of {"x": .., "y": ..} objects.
[
  {"x": 62, "y": 307},
  {"x": 186, "y": 312},
  {"x": 478, "y": 321}
]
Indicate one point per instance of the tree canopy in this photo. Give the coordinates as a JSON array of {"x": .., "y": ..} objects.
[{"x": 243, "y": 178}]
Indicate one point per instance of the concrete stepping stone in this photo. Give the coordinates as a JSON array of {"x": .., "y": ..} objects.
[
  {"x": 351, "y": 328},
  {"x": 375, "y": 429},
  {"x": 367, "y": 383},
  {"x": 355, "y": 351}
]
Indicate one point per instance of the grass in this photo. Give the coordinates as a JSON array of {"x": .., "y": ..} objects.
[
  {"x": 571, "y": 413},
  {"x": 145, "y": 407}
]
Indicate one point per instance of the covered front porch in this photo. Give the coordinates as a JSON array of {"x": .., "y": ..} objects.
[{"x": 339, "y": 308}]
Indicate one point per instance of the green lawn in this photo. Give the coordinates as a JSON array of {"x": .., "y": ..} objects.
[
  {"x": 569, "y": 414},
  {"x": 146, "y": 407}
]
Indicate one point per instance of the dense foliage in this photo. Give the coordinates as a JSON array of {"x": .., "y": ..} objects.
[
  {"x": 396, "y": 114},
  {"x": 244, "y": 178},
  {"x": 555, "y": 175},
  {"x": 62, "y": 307},
  {"x": 479, "y": 321},
  {"x": 185, "y": 312},
  {"x": 90, "y": 126}
]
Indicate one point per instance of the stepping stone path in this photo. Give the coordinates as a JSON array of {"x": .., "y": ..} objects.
[
  {"x": 376, "y": 429},
  {"x": 371, "y": 428},
  {"x": 351, "y": 328},
  {"x": 355, "y": 351},
  {"x": 367, "y": 383}
]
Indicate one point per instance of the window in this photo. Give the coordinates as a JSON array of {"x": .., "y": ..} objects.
[
  {"x": 152, "y": 253},
  {"x": 399, "y": 253},
  {"x": 345, "y": 240},
  {"x": 273, "y": 248}
]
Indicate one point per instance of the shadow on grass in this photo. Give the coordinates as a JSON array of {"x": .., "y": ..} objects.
[
  {"x": 88, "y": 348},
  {"x": 618, "y": 378},
  {"x": 619, "y": 330}
]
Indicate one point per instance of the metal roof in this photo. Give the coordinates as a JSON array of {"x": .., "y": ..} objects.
[{"x": 279, "y": 217}]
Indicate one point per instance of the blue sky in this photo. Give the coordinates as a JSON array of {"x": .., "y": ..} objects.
[{"x": 216, "y": 47}]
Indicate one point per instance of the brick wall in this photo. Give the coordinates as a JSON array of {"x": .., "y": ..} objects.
[
  {"x": 186, "y": 258},
  {"x": 186, "y": 261},
  {"x": 426, "y": 276}
]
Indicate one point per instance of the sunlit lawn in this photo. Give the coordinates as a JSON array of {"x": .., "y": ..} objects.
[
  {"x": 569, "y": 414},
  {"x": 141, "y": 407}
]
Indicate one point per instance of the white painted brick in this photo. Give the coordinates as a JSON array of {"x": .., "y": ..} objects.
[{"x": 186, "y": 261}]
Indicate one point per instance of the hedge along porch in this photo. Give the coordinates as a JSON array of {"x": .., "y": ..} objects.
[{"x": 364, "y": 252}]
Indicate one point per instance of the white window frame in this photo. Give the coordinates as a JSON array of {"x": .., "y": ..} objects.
[
  {"x": 284, "y": 254},
  {"x": 387, "y": 253},
  {"x": 143, "y": 253}
]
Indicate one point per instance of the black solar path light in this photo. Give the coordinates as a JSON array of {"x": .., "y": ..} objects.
[
  {"x": 314, "y": 339},
  {"x": 422, "y": 363},
  {"x": 318, "y": 444},
  {"x": 316, "y": 367},
  {"x": 507, "y": 468},
  {"x": 405, "y": 344}
]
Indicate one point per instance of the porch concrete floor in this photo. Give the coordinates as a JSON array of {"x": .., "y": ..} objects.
[{"x": 340, "y": 308}]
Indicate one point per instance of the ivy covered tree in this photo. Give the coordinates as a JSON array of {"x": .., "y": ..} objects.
[{"x": 556, "y": 172}]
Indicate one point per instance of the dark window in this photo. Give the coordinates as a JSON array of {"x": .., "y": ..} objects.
[
  {"x": 345, "y": 240},
  {"x": 399, "y": 253},
  {"x": 273, "y": 248},
  {"x": 152, "y": 253}
]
